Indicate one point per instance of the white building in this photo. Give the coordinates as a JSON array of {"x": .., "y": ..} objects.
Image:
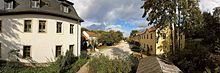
[{"x": 38, "y": 30}]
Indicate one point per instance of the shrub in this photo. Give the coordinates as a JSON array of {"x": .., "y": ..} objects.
[
  {"x": 195, "y": 58},
  {"x": 64, "y": 64},
  {"x": 103, "y": 64},
  {"x": 136, "y": 49},
  {"x": 67, "y": 61},
  {"x": 77, "y": 65}
]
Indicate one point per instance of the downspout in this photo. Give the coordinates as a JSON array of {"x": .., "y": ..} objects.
[{"x": 78, "y": 38}]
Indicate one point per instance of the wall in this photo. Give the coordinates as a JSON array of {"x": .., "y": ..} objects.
[
  {"x": 42, "y": 44},
  {"x": 146, "y": 43},
  {"x": 163, "y": 44}
]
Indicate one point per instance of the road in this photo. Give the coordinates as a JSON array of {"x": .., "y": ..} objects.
[{"x": 122, "y": 50}]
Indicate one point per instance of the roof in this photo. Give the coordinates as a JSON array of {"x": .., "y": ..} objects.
[
  {"x": 84, "y": 36},
  {"x": 153, "y": 64},
  {"x": 152, "y": 29},
  {"x": 91, "y": 34},
  {"x": 47, "y": 7}
]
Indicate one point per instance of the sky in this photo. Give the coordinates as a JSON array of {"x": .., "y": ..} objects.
[{"x": 120, "y": 15}]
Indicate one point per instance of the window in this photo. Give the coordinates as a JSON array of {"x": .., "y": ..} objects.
[
  {"x": 42, "y": 26},
  {"x": 151, "y": 36},
  {"x": 58, "y": 50},
  {"x": 59, "y": 27},
  {"x": 71, "y": 28},
  {"x": 9, "y": 5},
  {"x": 27, "y": 26},
  {"x": 0, "y": 26},
  {"x": 65, "y": 9},
  {"x": 151, "y": 48},
  {"x": 35, "y": 3},
  {"x": 147, "y": 36},
  {"x": 71, "y": 47},
  {"x": 26, "y": 51},
  {"x": 148, "y": 47},
  {"x": 0, "y": 50}
]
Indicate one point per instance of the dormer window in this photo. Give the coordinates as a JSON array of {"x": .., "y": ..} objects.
[
  {"x": 9, "y": 5},
  {"x": 65, "y": 9},
  {"x": 35, "y": 3}
]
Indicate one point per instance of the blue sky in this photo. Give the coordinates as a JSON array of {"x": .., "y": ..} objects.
[{"x": 120, "y": 15}]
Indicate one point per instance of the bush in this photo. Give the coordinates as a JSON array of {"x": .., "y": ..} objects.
[
  {"x": 136, "y": 49},
  {"x": 103, "y": 64},
  {"x": 195, "y": 58},
  {"x": 77, "y": 65},
  {"x": 64, "y": 64}
]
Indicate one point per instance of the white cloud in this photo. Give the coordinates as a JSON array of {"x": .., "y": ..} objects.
[
  {"x": 115, "y": 28},
  {"x": 101, "y": 12},
  {"x": 98, "y": 13},
  {"x": 108, "y": 10},
  {"x": 209, "y": 5}
]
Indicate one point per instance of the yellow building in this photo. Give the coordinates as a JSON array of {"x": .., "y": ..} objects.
[{"x": 155, "y": 41}]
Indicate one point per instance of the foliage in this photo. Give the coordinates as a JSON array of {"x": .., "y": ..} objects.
[
  {"x": 110, "y": 38},
  {"x": 136, "y": 48},
  {"x": 186, "y": 15},
  {"x": 132, "y": 42},
  {"x": 84, "y": 29},
  {"x": 133, "y": 32},
  {"x": 211, "y": 30},
  {"x": 194, "y": 59},
  {"x": 64, "y": 64},
  {"x": 103, "y": 64},
  {"x": 67, "y": 60},
  {"x": 177, "y": 14},
  {"x": 77, "y": 65}
]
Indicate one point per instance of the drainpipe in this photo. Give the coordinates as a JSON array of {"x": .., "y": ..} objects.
[{"x": 78, "y": 38}]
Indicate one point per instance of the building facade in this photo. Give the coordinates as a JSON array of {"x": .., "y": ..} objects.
[
  {"x": 38, "y": 30},
  {"x": 155, "y": 41}
]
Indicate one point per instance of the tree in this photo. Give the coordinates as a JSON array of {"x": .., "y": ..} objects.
[
  {"x": 211, "y": 31},
  {"x": 133, "y": 32},
  {"x": 176, "y": 14},
  {"x": 84, "y": 29},
  {"x": 111, "y": 37}
]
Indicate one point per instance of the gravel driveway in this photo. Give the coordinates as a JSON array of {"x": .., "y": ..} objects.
[
  {"x": 122, "y": 50},
  {"x": 119, "y": 51}
]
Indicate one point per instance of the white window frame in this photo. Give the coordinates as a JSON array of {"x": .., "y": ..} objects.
[
  {"x": 71, "y": 30},
  {"x": 65, "y": 9},
  {"x": 28, "y": 29},
  {"x": 58, "y": 50},
  {"x": 24, "y": 52},
  {"x": 71, "y": 47},
  {"x": 61, "y": 27},
  {"x": 9, "y": 5},
  {"x": 41, "y": 29},
  {"x": 35, "y": 3}
]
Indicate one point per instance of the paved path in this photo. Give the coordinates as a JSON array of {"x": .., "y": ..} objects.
[{"x": 121, "y": 50}]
